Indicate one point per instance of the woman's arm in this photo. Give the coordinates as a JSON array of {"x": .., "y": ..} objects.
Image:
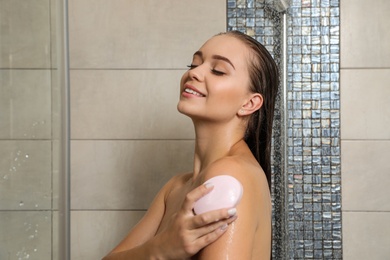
[
  {"x": 184, "y": 237},
  {"x": 134, "y": 245}
]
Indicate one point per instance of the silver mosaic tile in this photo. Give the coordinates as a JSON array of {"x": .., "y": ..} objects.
[{"x": 312, "y": 193}]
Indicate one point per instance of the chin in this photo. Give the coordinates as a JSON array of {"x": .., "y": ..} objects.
[
  {"x": 186, "y": 111},
  {"x": 182, "y": 110}
]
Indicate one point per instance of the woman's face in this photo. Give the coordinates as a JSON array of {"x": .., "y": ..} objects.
[{"x": 217, "y": 82}]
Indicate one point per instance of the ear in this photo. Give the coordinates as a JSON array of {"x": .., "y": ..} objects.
[{"x": 252, "y": 105}]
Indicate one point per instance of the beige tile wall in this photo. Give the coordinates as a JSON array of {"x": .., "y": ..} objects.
[
  {"x": 127, "y": 104},
  {"x": 95, "y": 232},
  {"x": 365, "y": 124},
  {"x": 124, "y": 174},
  {"x": 140, "y": 34},
  {"x": 127, "y": 58}
]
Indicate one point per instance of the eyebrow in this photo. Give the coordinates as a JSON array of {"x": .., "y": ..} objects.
[{"x": 217, "y": 57}]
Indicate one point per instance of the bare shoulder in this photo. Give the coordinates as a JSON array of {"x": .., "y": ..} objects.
[
  {"x": 176, "y": 181},
  {"x": 252, "y": 178},
  {"x": 253, "y": 225},
  {"x": 179, "y": 179},
  {"x": 247, "y": 171}
]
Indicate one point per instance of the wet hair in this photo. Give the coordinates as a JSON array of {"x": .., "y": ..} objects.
[{"x": 264, "y": 79}]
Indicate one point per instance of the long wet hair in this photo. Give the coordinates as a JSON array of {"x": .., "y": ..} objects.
[{"x": 264, "y": 79}]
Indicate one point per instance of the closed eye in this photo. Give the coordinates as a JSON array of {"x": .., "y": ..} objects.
[
  {"x": 217, "y": 72},
  {"x": 192, "y": 66},
  {"x": 214, "y": 71}
]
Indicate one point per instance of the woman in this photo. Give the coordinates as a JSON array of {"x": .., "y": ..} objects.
[{"x": 229, "y": 93}]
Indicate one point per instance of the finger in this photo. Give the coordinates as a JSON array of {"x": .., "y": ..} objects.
[
  {"x": 212, "y": 216},
  {"x": 210, "y": 237},
  {"x": 202, "y": 231},
  {"x": 195, "y": 195}
]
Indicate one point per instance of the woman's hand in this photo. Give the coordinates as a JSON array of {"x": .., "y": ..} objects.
[{"x": 186, "y": 234}]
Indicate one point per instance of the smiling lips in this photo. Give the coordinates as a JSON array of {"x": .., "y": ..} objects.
[{"x": 193, "y": 91}]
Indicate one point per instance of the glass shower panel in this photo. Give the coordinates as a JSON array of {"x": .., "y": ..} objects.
[{"x": 30, "y": 130}]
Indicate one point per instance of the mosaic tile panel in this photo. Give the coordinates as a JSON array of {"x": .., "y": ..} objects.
[
  {"x": 263, "y": 22},
  {"x": 312, "y": 166}
]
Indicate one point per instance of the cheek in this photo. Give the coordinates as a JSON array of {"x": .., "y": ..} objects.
[
  {"x": 227, "y": 100},
  {"x": 231, "y": 92},
  {"x": 183, "y": 79}
]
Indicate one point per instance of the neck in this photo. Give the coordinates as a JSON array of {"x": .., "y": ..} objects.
[{"x": 214, "y": 141}]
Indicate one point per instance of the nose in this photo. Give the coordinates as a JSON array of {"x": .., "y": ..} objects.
[{"x": 196, "y": 73}]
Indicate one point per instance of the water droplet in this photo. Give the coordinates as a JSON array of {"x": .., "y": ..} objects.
[
  {"x": 6, "y": 177},
  {"x": 21, "y": 203},
  {"x": 28, "y": 226},
  {"x": 27, "y": 156},
  {"x": 36, "y": 205},
  {"x": 35, "y": 250},
  {"x": 31, "y": 237}
]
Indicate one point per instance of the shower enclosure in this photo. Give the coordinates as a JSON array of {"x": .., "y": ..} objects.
[
  {"x": 303, "y": 37},
  {"x": 33, "y": 128}
]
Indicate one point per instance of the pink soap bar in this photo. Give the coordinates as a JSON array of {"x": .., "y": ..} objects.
[{"x": 226, "y": 193}]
